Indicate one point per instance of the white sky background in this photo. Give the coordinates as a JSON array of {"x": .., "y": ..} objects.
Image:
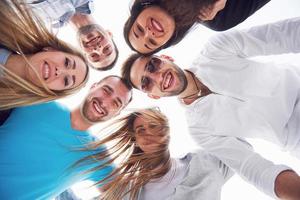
[{"x": 112, "y": 16}]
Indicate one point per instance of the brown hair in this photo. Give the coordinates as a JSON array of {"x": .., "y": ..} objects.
[
  {"x": 185, "y": 14},
  {"x": 127, "y": 65},
  {"x": 23, "y": 33},
  {"x": 136, "y": 167}
]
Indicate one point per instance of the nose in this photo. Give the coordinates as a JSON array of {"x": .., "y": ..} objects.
[
  {"x": 149, "y": 32},
  {"x": 156, "y": 77},
  {"x": 57, "y": 71},
  {"x": 60, "y": 70}
]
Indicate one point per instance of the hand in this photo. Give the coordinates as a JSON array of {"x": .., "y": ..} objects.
[
  {"x": 287, "y": 185},
  {"x": 210, "y": 12}
]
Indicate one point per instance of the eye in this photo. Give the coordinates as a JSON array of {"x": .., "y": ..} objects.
[
  {"x": 152, "y": 125},
  {"x": 116, "y": 104},
  {"x": 66, "y": 81},
  {"x": 153, "y": 42},
  {"x": 67, "y": 62},
  {"x": 106, "y": 91},
  {"x": 145, "y": 83},
  {"x": 140, "y": 28},
  {"x": 140, "y": 131},
  {"x": 107, "y": 50},
  {"x": 150, "y": 67}
]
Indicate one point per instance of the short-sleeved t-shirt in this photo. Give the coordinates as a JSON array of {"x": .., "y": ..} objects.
[
  {"x": 37, "y": 148},
  {"x": 234, "y": 13},
  {"x": 4, "y": 54}
]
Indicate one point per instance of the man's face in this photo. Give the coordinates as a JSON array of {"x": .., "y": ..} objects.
[
  {"x": 158, "y": 77},
  {"x": 97, "y": 45},
  {"x": 105, "y": 100}
]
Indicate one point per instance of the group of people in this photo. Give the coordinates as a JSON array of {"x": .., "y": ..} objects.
[{"x": 228, "y": 97}]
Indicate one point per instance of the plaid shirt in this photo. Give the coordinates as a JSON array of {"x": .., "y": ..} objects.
[{"x": 58, "y": 12}]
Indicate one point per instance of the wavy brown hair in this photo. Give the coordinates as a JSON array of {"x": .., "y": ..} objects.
[
  {"x": 23, "y": 33},
  {"x": 136, "y": 168},
  {"x": 184, "y": 12}
]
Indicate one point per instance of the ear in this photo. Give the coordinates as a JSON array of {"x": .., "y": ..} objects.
[
  {"x": 153, "y": 96},
  {"x": 94, "y": 85},
  {"x": 167, "y": 57},
  {"x": 109, "y": 33},
  {"x": 48, "y": 49}
]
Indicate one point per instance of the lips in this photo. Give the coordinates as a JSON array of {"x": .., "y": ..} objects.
[
  {"x": 156, "y": 25},
  {"x": 167, "y": 81},
  {"x": 46, "y": 71},
  {"x": 97, "y": 108}
]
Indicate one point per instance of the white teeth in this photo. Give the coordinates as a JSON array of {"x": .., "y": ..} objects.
[
  {"x": 167, "y": 81},
  {"x": 97, "y": 108},
  {"x": 46, "y": 71},
  {"x": 157, "y": 25}
]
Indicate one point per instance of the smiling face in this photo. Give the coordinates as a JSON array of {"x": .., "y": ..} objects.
[
  {"x": 59, "y": 70},
  {"x": 148, "y": 135},
  {"x": 158, "y": 77},
  {"x": 97, "y": 45},
  {"x": 105, "y": 100},
  {"x": 151, "y": 29}
]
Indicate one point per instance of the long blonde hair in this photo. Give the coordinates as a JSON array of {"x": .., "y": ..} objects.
[
  {"x": 136, "y": 168},
  {"x": 23, "y": 33}
]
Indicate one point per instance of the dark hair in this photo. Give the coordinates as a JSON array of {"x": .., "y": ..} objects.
[
  {"x": 185, "y": 14},
  {"x": 112, "y": 64},
  {"x": 126, "y": 67}
]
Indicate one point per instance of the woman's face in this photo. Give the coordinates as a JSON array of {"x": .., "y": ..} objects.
[
  {"x": 59, "y": 70},
  {"x": 151, "y": 29},
  {"x": 146, "y": 135}
]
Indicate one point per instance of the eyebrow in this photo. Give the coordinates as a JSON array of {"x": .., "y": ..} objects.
[
  {"x": 134, "y": 33},
  {"x": 74, "y": 64},
  {"x": 147, "y": 47}
]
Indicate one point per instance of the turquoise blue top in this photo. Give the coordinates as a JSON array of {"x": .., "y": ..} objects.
[{"x": 37, "y": 147}]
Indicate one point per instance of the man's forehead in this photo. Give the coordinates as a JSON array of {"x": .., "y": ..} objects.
[{"x": 138, "y": 70}]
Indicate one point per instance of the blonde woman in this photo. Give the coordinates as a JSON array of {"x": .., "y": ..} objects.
[
  {"x": 35, "y": 65},
  {"x": 139, "y": 142}
]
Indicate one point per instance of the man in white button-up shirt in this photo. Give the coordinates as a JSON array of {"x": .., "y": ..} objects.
[{"x": 229, "y": 96}]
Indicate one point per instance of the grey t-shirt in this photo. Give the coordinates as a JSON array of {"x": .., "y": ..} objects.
[
  {"x": 197, "y": 176},
  {"x": 4, "y": 54}
]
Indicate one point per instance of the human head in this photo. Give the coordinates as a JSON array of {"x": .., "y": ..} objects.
[
  {"x": 25, "y": 34},
  {"x": 57, "y": 69},
  {"x": 106, "y": 99},
  {"x": 151, "y": 130},
  {"x": 137, "y": 167},
  {"x": 164, "y": 22},
  {"x": 156, "y": 76},
  {"x": 98, "y": 46}
]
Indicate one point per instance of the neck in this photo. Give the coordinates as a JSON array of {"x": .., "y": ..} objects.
[
  {"x": 79, "y": 20},
  {"x": 16, "y": 64},
  {"x": 78, "y": 122},
  {"x": 193, "y": 89}
]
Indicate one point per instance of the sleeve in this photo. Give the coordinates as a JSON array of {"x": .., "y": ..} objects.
[
  {"x": 239, "y": 156},
  {"x": 86, "y": 8},
  {"x": 269, "y": 39}
]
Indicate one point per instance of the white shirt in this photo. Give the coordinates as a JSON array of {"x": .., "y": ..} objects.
[
  {"x": 197, "y": 176},
  {"x": 251, "y": 100}
]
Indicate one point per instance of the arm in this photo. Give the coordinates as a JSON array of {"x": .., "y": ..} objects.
[
  {"x": 269, "y": 39},
  {"x": 239, "y": 156}
]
